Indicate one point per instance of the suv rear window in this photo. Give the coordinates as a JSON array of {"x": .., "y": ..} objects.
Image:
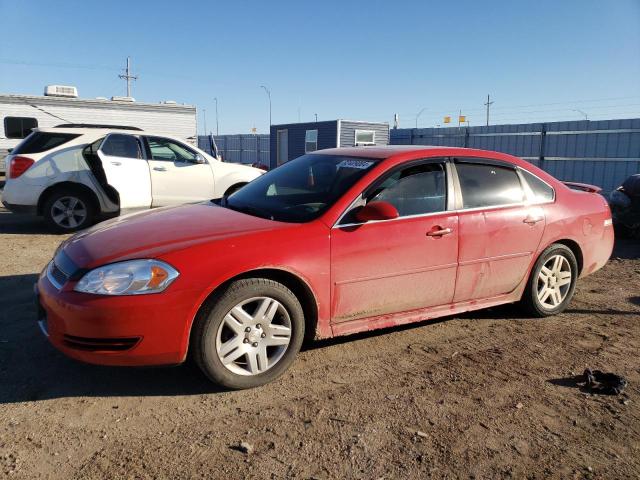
[{"x": 39, "y": 142}]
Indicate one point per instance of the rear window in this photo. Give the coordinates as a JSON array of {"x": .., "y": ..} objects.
[
  {"x": 39, "y": 142},
  {"x": 19, "y": 127}
]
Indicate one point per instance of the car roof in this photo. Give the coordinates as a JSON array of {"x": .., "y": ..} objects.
[
  {"x": 386, "y": 151},
  {"x": 97, "y": 132}
]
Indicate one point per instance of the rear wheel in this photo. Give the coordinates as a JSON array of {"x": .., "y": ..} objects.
[
  {"x": 552, "y": 282},
  {"x": 68, "y": 211},
  {"x": 249, "y": 334}
]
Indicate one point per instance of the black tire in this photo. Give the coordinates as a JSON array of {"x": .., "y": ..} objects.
[
  {"x": 51, "y": 211},
  {"x": 211, "y": 316},
  {"x": 234, "y": 188},
  {"x": 530, "y": 301}
]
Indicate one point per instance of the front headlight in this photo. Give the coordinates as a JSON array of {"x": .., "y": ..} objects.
[{"x": 133, "y": 277}]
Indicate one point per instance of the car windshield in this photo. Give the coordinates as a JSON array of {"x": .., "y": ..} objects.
[{"x": 301, "y": 190}]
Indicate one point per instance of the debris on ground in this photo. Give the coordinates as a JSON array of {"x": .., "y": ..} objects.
[{"x": 604, "y": 383}]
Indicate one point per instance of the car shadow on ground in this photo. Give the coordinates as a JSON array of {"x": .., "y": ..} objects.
[{"x": 21, "y": 224}]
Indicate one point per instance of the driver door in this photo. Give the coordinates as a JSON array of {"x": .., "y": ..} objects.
[
  {"x": 126, "y": 170},
  {"x": 392, "y": 266},
  {"x": 178, "y": 173}
]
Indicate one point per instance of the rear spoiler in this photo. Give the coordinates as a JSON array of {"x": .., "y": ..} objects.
[{"x": 584, "y": 187}]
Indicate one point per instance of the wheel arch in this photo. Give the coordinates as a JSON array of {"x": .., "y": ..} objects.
[
  {"x": 67, "y": 186},
  {"x": 233, "y": 188},
  {"x": 575, "y": 249},
  {"x": 293, "y": 282}
]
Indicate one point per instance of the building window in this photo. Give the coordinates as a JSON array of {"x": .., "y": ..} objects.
[
  {"x": 310, "y": 141},
  {"x": 365, "y": 137},
  {"x": 19, "y": 127}
]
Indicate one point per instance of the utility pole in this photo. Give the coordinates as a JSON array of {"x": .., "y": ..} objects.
[
  {"x": 316, "y": 117},
  {"x": 128, "y": 77},
  {"x": 217, "y": 131},
  {"x": 488, "y": 104},
  {"x": 269, "y": 95}
]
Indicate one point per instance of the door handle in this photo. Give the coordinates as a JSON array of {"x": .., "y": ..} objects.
[
  {"x": 532, "y": 220},
  {"x": 160, "y": 169},
  {"x": 117, "y": 164},
  {"x": 439, "y": 232}
]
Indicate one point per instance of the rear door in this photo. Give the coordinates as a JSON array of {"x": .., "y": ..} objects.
[
  {"x": 126, "y": 169},
  {"x": 499, "y": 230},
  {"x": 391, "y": 266},
  {"x": 178, "y": 173}
]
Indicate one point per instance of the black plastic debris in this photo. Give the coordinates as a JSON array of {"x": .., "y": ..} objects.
[{"x": 604, "y": 383}]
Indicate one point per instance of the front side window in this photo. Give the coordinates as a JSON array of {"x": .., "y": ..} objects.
[
  {"x": 300, "y": 190},
  {"x": 19, "y": 127},
  {"x": 310, "y": 141},
  {"x": 541, "y": 190},
  {"x": 123, "y": 146},
  {"x": 365, "y": 137},
  {"x": 169, "y": 150},
  {"x": 484, "y": 185},
  {"x": 39, "y": 142},
  {"x": 415, "y": 190}
]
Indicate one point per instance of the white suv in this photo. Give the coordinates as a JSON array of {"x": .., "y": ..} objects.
[{"x": 74, "y": 174}]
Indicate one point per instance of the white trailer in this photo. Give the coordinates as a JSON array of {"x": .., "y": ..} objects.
[{"x": 60, "y": 105}]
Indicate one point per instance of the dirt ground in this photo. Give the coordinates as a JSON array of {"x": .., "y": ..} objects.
[{"x": 486, "y": 395}]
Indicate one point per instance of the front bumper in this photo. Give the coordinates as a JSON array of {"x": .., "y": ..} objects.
[{"x": 139, "y": 330}]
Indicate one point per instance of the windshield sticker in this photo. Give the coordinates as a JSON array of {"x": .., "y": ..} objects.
[{"x": 360, "y": 164}]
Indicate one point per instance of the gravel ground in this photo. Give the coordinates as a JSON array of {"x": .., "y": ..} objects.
[{"x": 486, "y": 395}]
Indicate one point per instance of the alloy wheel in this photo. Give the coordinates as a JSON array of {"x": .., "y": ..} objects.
[
  {"x": 69, "y": 212},
  {"x": 253, "y": 336},
  {"x": 554, "y": 282}
]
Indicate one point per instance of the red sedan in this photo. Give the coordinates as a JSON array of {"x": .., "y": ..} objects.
[{"x": 334, "y": 242}]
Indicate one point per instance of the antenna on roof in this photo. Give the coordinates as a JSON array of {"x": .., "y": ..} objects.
[{"x": 128, "y": 77}]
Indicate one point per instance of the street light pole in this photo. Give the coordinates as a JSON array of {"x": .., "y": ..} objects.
[
  {"x": 418, "y": 115},
  {"x": 217, "y": 130},
  {"x": 586, "y": 117},
  {"x": 269, "y": 95}
]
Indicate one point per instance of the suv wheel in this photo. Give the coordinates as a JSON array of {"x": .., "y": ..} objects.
[{"x": 68, "y": 211}]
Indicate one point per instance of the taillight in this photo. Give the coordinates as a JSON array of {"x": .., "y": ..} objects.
[{"x": 19, "y": 165}]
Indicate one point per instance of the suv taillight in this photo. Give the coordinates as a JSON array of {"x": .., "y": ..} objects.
[{"x": 19, "y": 165}]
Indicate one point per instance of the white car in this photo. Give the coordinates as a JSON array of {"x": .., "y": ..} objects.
[{"x": 74, "y": 174}]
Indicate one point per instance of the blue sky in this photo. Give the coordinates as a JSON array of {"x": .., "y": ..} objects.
[{"x": 360, "y": 60}]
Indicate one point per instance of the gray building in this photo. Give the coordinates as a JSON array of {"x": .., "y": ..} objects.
[{"x": 291, "y": 140}]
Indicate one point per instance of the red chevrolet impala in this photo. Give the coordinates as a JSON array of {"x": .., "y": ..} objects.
[{"x": 334, "y": 242}]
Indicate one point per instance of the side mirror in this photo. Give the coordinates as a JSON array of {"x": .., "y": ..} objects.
[
  {"x": 377, "y": 211},
  {"x": 199, "y": 159}
]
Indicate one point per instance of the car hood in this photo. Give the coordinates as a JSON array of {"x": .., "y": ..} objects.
[{"x": 152, "y": 233}]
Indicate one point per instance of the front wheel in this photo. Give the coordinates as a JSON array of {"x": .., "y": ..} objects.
[
  {"x": 68, "y": 211},
  {"x": 552, "y": 282},
  {"x": 249, "y": 334}
]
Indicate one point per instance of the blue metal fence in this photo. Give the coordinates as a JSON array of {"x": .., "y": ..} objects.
[
  {"x": 602, "y": 152},
  {"x": 239, "y": 148}
]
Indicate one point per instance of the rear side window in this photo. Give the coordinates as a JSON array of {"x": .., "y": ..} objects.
[
  {"x": 39, "y": 142},
  {"x": 19, "y": 127},
  {"x": 123, "y": 146},
  {"x": 542, "y": 191},
  {"x": 484, "y": 185}
]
